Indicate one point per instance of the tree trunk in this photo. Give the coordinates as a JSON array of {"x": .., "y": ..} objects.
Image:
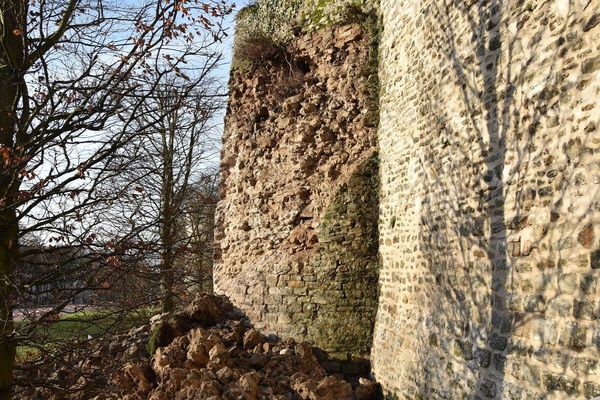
[
  {"x": 9, "y": 184},
  {"x": 167, "y": 280},
  {"x": 167, "y": 272},
  {"x": 167, "y": 234},
  {"x": 167, "y": 265},
  {"x": 11, "y": 54},
  {"x": 8, "y": 248}
]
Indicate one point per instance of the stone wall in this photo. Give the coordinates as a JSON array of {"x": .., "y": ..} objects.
[
  {"x": 490, "y": 203},
  {"x": 297, "y": 222}
]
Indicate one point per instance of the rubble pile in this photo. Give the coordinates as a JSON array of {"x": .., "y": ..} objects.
[{"x": 207, "y": 351}]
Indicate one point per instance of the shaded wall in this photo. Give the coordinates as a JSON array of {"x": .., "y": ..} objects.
[
  {"x": 489, "y": 211},
  {"x": 296, "y": 227}
]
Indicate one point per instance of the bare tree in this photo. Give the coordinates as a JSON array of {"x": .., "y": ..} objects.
[
  {"x": 196, "y": 263},
  {"x": 174, "y": 148},
  {"x": 68, "y": 70}
]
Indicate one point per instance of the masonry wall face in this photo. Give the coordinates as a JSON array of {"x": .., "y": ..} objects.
[
  {"x": 490, "y": 207},
  {"x": 297, "y": 221}
]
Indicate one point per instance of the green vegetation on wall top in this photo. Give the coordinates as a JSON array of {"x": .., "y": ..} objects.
[
  {"x": 268, "y": 24},
  {"x": 317, "y": 14},
  {"x": 272, "y": 19}
]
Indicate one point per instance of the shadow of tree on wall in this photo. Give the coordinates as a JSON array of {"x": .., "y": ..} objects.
[{"x": 507, "y": 213}]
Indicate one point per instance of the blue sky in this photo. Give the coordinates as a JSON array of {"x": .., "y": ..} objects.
[{"x": 223, "y": 71}]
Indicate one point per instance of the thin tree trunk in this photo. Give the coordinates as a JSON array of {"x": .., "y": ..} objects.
[
  {"x": 167, "y": 270},
  {"x": 9, "y": 184},
  {"x": 166, "y": 230},
  {"x": 167, "y": 281}
]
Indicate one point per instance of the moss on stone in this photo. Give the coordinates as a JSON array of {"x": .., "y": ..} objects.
[
  {"x": 152, "y": 344},
  {"x": 347, "y": 264},
  {"x": 372, "y": 25},
  {"x": 162, "y": 335}
]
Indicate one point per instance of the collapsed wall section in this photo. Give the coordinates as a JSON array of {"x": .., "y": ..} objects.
[
  {"x": 489, "y": 147},
  {"x": 297, "y": 221}
]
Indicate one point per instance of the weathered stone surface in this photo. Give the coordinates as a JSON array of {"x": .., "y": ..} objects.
[
  {"x": 199, "y": 348},
  {"x": 140, "y": 376},
  {"x": 586, "y": 236},
  {"x": 556, "y": 382},
  {"x": 488, "y": 146},
  {"x": 591, "y": 390},
  {"x": 332, "y": 388},
  {"x": 366, "y": 390},
  {"x": 297, "y": 221},
  {"x": 488, "y": 389},
  {"x": 253, "y": 338},
  {"x": 489, "y": 212}
]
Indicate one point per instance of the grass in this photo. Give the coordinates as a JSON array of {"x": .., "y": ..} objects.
[
  {"x": 77, "y": 327},
  {"x": 26, "y": 354}
]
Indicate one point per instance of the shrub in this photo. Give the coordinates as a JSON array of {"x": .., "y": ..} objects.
[{"x": 266, "y": 27}]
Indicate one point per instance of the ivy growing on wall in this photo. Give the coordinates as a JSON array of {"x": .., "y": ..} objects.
[
  {"x": 316, "y": 14},
  {"x": 267, "y": 26},
  {"x": 270, "y": 19}
]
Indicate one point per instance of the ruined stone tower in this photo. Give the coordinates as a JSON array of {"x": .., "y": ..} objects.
[
  {"x": 422, "y": 187},
  {"x": 298, "y": 216}
]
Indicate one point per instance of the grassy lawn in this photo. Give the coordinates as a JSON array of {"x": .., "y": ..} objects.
[{"x": 78, "y": 326}]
